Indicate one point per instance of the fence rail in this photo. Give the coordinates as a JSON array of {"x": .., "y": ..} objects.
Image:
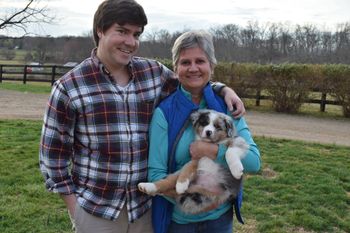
[{"x": 50, "y": 73}]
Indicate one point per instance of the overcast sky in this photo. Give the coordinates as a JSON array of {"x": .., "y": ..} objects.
[{"x": 75, "y": 16}]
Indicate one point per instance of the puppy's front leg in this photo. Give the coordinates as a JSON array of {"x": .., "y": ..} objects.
[
  {"x": 233, "y": 156},
  {"x": 186, "y": 176},
  {"x": 160, "y": 186},
  {"x": 234, "y": 163}
]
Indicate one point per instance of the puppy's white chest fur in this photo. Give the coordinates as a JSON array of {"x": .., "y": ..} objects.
[{"x": 207, "y": 165}]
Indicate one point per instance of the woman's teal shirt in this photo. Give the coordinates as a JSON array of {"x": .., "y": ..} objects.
[{"x": 158, "y": 158}]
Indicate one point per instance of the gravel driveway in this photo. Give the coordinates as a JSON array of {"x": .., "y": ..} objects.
[{"x": 18, "y": 105}]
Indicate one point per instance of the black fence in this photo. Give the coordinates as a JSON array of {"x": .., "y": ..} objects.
[
  {"x": 50, "y": 73},
  {"x": 32, "y": 73},
  {"x": 322, "y": 100}
]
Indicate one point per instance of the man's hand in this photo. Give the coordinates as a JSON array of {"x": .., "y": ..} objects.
[
  {"x": 70, "y": 201},
  {"x": 198, "y": 149},
  {"x": 233, "y": 102}
]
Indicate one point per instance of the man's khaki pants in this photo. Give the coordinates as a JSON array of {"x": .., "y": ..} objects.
[{"x": 87, "y": 223}]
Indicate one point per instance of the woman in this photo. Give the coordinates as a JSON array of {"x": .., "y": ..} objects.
[{"x": 171, "y": 144}]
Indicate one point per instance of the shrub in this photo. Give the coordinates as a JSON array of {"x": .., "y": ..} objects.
[
  {"x": 338, "y": 80},
  {"x": 289, "y": 86}
]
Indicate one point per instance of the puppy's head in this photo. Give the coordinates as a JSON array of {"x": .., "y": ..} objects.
[{"x": 212, "y": 126}]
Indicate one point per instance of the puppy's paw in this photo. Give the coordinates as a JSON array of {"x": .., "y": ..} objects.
[
  {"x": 233, "y": 155},
  {"x": 149, "y": 188},
  {"x": 236, "y": 170},
  {"x": 181, "y": 187}
]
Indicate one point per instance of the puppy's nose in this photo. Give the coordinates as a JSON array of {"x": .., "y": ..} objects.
[{"x": 208, "y": 133}]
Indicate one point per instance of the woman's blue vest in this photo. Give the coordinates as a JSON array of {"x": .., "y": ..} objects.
[{"x": 177, "y": 109}]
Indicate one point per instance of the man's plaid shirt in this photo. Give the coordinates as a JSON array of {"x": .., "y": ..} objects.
[{"x": 95, "y": 135}]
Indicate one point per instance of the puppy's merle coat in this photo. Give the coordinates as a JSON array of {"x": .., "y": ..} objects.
[{"x": 202, "y": 183}]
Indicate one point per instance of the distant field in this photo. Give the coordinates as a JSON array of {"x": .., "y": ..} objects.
[{"x": 19, "y": 58}]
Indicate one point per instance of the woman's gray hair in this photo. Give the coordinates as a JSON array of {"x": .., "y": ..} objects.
[{"x": 192, "y": 39}]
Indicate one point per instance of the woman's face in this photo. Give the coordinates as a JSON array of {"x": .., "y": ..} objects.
[{"x": 193, "y": 69}]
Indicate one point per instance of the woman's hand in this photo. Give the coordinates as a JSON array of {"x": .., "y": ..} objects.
[
  {"x": 198, "y": 149},
  {"x": 234, "y": 104}
]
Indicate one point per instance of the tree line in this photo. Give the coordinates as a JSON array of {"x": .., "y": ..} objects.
[{"x": 263, "y": 44}]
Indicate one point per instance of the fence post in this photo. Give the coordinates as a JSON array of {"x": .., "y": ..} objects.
[
  {"x": 53, "y": 74},
  {"x": 257, "y": 98},
  {"x": 323, "y": 102},
  {"x": 0, "y": 73},
  {"x": 25, "y": 74}
]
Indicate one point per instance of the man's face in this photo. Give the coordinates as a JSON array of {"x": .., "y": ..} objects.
[{"x": 118, "y": 44}]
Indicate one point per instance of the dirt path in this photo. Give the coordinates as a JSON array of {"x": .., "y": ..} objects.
[
  {"x": 299, "y": 127},
  {"x": 18, "y": 105}
]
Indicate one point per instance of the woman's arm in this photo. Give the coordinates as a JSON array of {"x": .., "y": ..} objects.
[
  {"x": 158, "y": 147},
  {"x": 158, "y": 151}
]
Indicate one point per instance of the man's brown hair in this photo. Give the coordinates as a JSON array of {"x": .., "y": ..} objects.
[{"x": 121, "y": 12}]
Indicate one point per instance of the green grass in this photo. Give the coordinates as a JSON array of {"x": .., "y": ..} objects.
[
  {"x": 33, "y": 87},
  {"x": 302, "y": 187},
  {"x": 25, "y": 205}
]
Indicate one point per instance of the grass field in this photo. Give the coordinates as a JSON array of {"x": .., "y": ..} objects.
[
  {"x": 25, "y": 205},
  {"x": 33, "y": 87},
  {"x": 302, "y": 187}
]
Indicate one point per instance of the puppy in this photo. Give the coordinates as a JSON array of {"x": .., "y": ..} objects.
[{"x": 202, "y": 183}]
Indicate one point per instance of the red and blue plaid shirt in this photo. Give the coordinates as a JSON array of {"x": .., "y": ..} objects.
[{"x": 95, "y": 135}]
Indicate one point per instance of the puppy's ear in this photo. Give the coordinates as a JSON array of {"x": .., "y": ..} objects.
[
  {"x": 229, "y": 127},
  {"x": 194, "y": 117}
]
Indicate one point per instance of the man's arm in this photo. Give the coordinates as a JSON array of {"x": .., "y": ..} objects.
[
  {"x": 70, "y": 200},
  {"x": 234, "y": 104},
  {"x": 56, "y": 143}
]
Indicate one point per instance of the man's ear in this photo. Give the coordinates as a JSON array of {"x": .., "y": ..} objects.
[{"x": 99, "y": 33}]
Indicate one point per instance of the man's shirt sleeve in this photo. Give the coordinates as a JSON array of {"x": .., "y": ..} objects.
[{"x": 56, "y": 141}]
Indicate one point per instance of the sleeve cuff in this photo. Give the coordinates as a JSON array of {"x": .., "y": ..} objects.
[
  {"x": 217, "y": 87},
  {"x": 220, "y": 158},
  {"x": 65, "y": 187}
]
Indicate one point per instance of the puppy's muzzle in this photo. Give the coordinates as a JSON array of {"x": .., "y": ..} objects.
[{"x": 208, "y": 133}]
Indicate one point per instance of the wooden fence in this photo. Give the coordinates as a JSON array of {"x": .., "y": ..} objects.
[
  {"x": 50, "y": 73},
  {"x": 32, "y": 73},
  {"x": 322, "y": 101}
]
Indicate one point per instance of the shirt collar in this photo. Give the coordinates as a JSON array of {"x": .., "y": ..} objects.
[
  {"x": 188, "y": 95},
  {"x": 97, "y": 62}
]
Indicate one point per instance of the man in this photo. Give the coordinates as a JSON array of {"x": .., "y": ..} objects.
[{"x": 94, "y": 143}]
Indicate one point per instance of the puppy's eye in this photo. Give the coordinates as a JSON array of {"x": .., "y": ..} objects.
[{"x": 218, "y": 126}]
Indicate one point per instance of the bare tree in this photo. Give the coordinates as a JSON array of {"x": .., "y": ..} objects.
[{"x": 31, "y": 13}]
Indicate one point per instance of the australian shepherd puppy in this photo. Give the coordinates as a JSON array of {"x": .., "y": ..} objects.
[{"x": 203, "y": 183}]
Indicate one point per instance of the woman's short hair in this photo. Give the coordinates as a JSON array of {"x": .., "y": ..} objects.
[
  {"x": 191, "y": 39},
  {"x": 121, "y": 12}
]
